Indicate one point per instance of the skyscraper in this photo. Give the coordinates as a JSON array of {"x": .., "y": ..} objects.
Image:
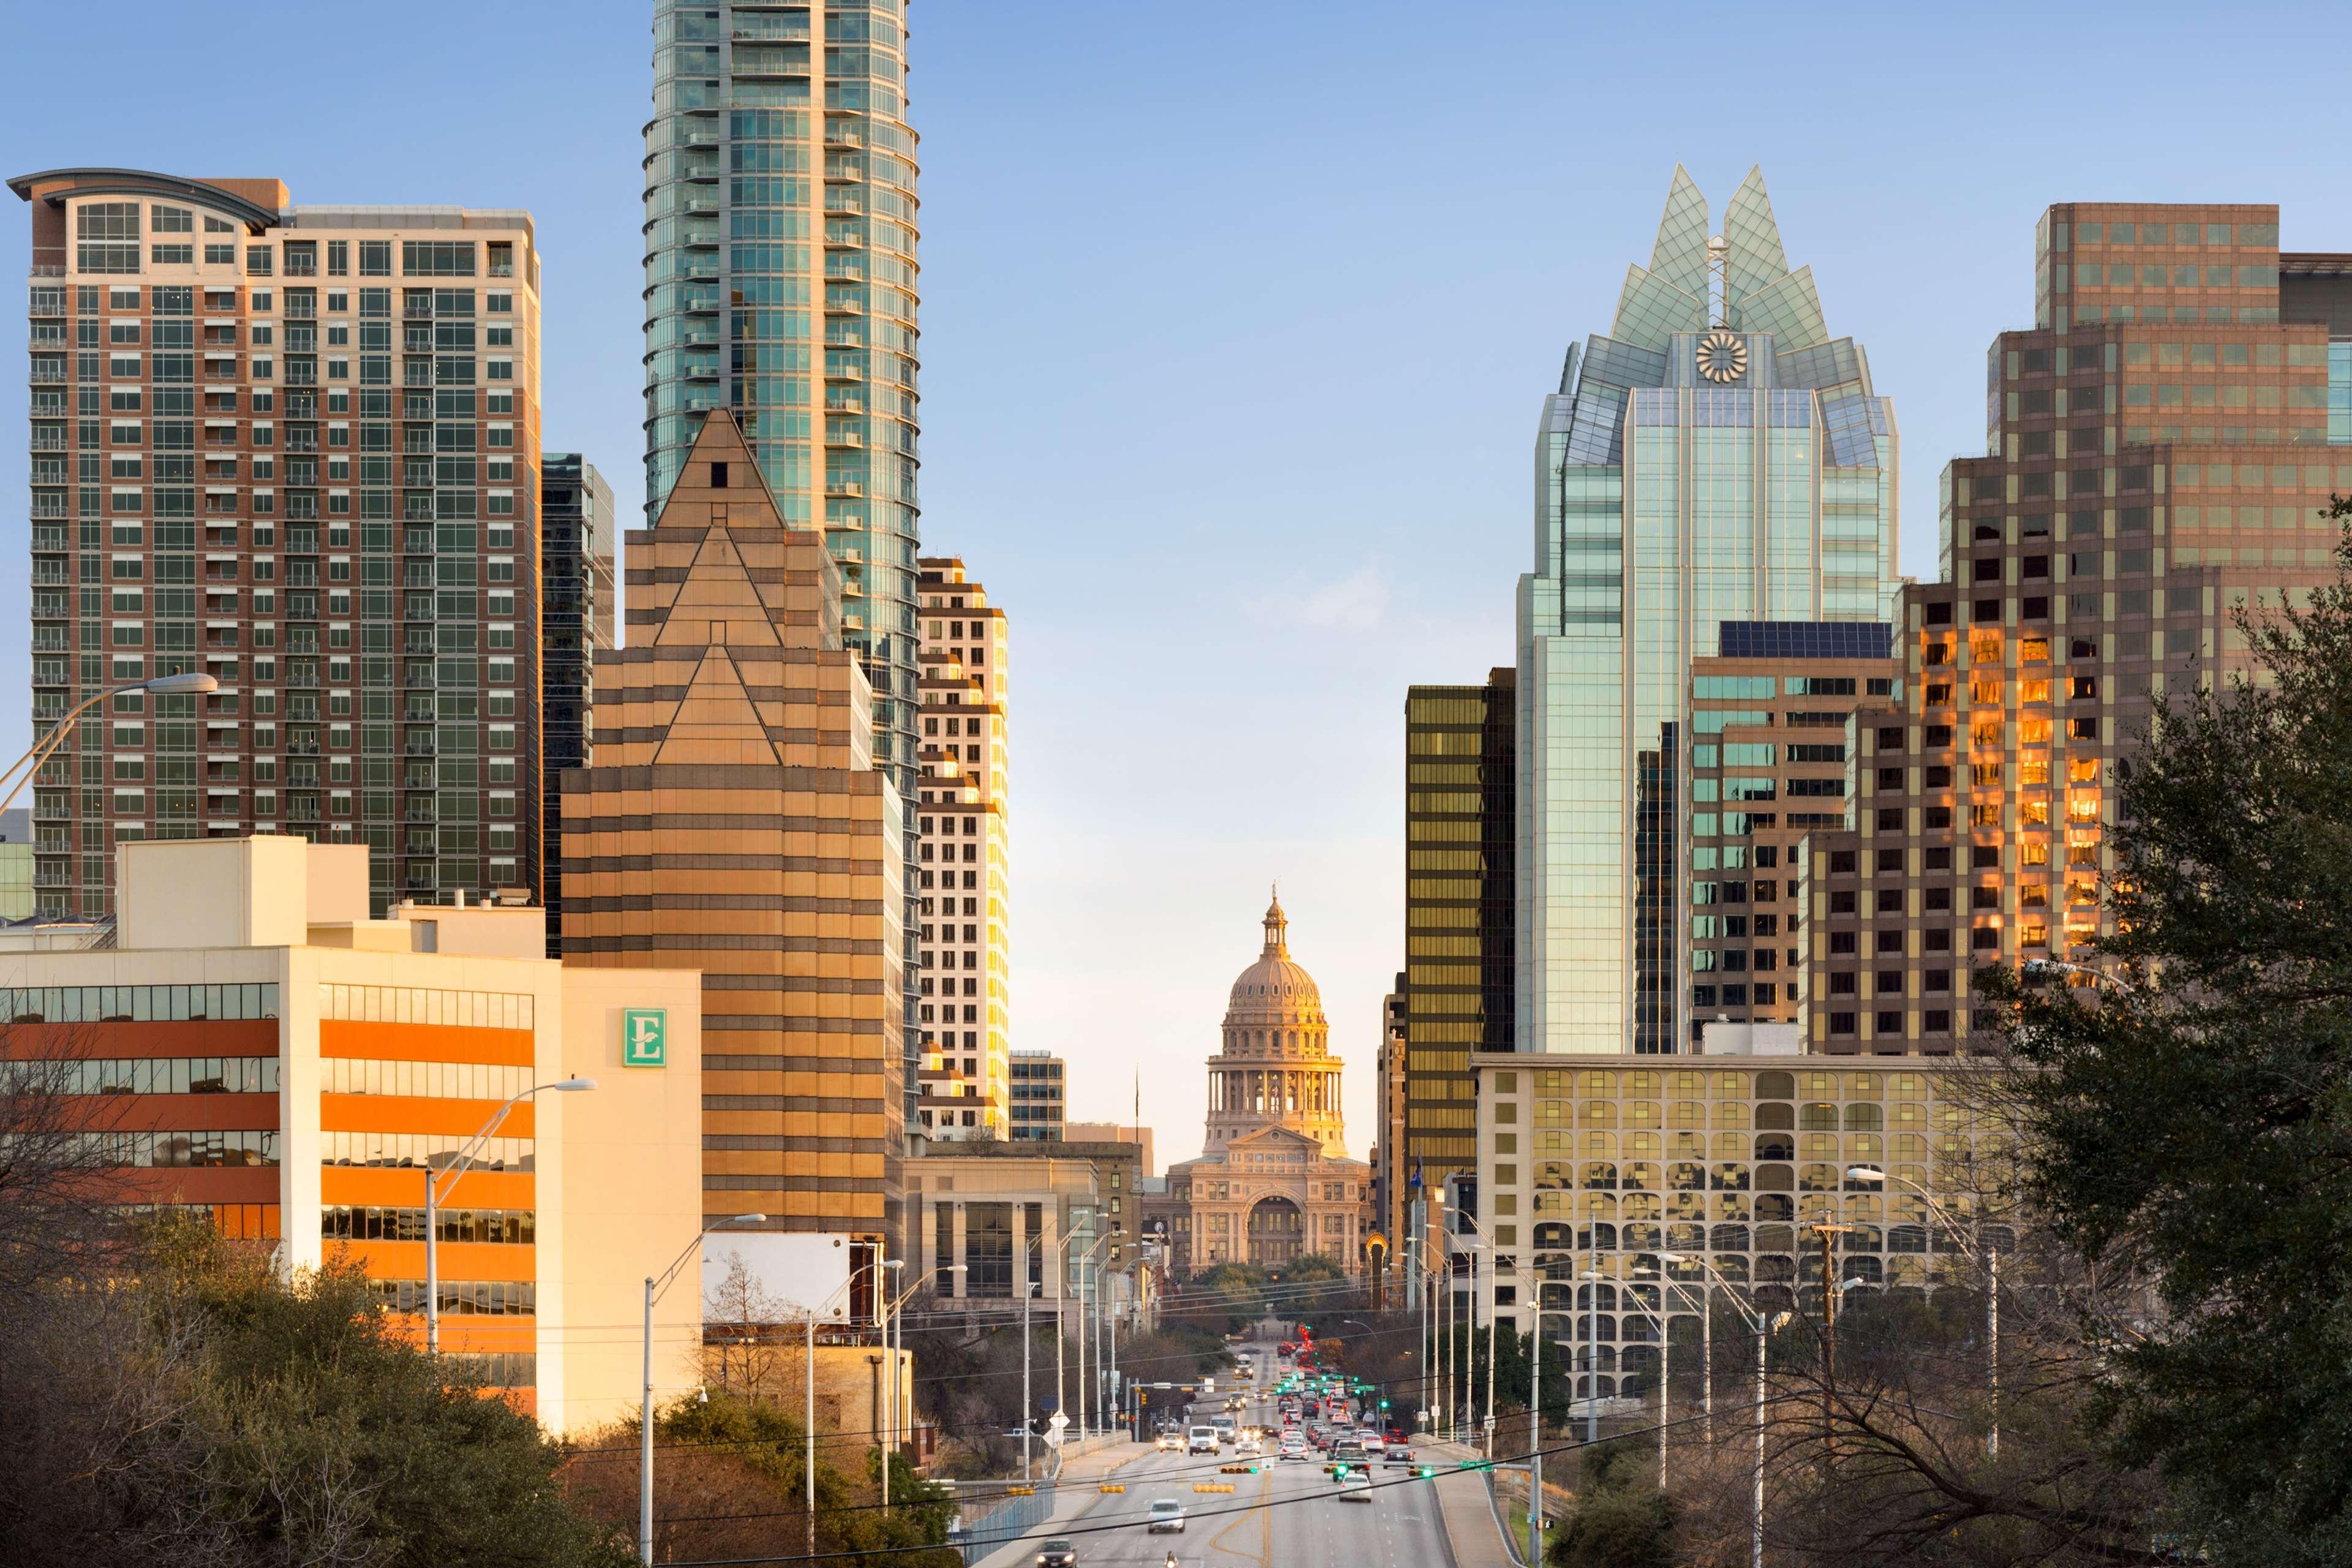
[
  {"x": 575, "y": 528},
  {"x": 2161, "y": 447},
  {"x": 735, "y": 822},
  {"x": 781, "y": 284},
  {"x": 1717, "y": 456},
  {"x": 964, "y": 865},
  {"x": 1456, "y": 996},
  {"x": 294, "y": 448}
]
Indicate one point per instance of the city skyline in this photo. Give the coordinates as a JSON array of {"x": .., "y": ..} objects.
[{"x": 1347, "y": 628}]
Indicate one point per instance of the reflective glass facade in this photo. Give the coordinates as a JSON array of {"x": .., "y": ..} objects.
[{"x": 1717, "y": 457}]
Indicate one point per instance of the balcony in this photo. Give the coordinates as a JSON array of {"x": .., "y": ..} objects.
[
  {"x": 417, "y": 309},
  {"x": 47, "y": 374},
  {"x": 48, "y": 438},
  {"x": 48, "y": 506}
]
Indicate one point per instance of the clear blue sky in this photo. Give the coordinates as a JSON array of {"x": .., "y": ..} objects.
[{"x": 1236, "y": 324}]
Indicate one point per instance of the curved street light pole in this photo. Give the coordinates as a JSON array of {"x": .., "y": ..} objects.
[
  {"x": 655, "y": 1288},
  {"x": 193, "y": 684},
  {"x": 1764, "y": 1327},
  {"x": 1990, "y": 1258},
  {"x": 454, "y": 1170}
]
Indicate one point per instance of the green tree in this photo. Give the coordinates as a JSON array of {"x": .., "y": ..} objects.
[
  {"x": 1621, "y": 1519},
  {"x": 2192, "y": 1116}
]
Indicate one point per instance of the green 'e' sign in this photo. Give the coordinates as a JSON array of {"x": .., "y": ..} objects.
[{"x": 645, "y": 1036}]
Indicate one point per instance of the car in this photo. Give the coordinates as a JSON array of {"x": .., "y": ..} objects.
[
  {"x": 1356, "y": 1486},
  {"x": 1248, "y": 1448},
  {"x": 1373, "y": 1441},
  {"x": 1166, "y": 1514},
  {"x": 1171, "y": 1440},
  {"x": 1200, "y": 1440},
  {"x": 1057, "y": 1554},
  {"x": 1292, "y": 1449}
]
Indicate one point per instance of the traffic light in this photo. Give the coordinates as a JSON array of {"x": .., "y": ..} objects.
[
  {"x": 1426, "y": 1472},
  {"x": 1384, "y": 1405},
  {"x": 1338, "y": 1472}
]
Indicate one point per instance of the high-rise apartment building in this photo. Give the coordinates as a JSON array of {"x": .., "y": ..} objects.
[
  {"x": 576, "y": 530},
  {"x": 2161, "y": 445},
  {"x": 1455, "y": 999},
  {"x": 781, "y": 284},
  {"x": 1768, "y": 760},
  {"x": 963, "y": 856},
  {"x": 735, "y": 822},
  {"x": 295, "y": 448},
  {"x": 1717, "y": 456}
]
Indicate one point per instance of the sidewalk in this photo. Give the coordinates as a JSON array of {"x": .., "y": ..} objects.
[
  {"x": 1083, "y": 1472},
  {"x": 1465, "y": 1507}
]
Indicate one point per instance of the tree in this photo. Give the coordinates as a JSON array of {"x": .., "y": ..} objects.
[
  {"x": 744, "y": 1347},
  {"x": 1622, "y": 1518},
  {"x": 2192, "y": 1114},
  {"x": 57, "y": 1178},
  {"x": 200, "y": 1410}
]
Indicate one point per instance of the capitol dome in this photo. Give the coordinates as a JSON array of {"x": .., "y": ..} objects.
[
  {"x": 1276, "y": 993},
  {"x": 1276, "y": 1067}
]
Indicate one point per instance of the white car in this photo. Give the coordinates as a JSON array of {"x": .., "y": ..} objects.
[
  {"x": 1167, "y": 1513},
  {"x": 1171, "y": 1441},
  {"x": 1248, "y": 1448},
  {"x": 1200, "y": 1440},
  {"x": 1356, "y": 1486},
  {"x": 1374, "y": 1442}
]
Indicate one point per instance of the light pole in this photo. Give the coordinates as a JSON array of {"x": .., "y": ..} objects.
[
  {"x": 454, "y": 1169},
  {"x": 1592, "y": 1360},
  {"x": 1764, "y": 1327},
  {"x": 1992, "y": 1260},
  {"x": 892, "y": 1316},
  {"x": 1665, "y": 1367},
  {"x": 1484, "y": 1243},
  {"x": 808, "y": 1427},
  {"x": 653, "y": 1290},
  {"x": 194, "y": 684}
]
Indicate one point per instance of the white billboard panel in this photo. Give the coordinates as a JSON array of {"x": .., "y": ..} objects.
[{"x": 775, "y": 1276}]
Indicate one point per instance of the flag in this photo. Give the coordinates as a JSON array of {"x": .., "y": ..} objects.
[{"x": 1416, "y": 1171}]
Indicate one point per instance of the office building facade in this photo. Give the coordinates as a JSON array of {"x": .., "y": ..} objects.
[
  {"x": 261, "y": 1052},
  {"x": 1457, "y": 994},
  {"x": 1037, "y": 1095},
  {"x": 576, "y": 598},
  {"x": 1596, "y": 1164},
  {"x": 1769, "y": 766},
  {"x": 2161, "y": 446},
  {"x": 735, "y": 822},
  {"x": 963, "y": 856},
  {"x": 295, "y": 448},
  {"x": 1717, "y": 457}
]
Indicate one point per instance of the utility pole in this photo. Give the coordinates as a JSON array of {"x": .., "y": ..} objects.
[{"x": 1028, "y": 1401}]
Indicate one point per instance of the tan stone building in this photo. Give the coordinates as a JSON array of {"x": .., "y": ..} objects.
[
  {"x": 1274, "y": 1181},
  {"x": 735, "y": 823},
  {"x": 964, "y": 859}
]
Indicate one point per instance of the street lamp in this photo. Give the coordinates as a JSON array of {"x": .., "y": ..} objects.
[
  {"x": 454, "y": 1169},
  {"x": 890, "y": 1354},
  {"x": 653, "y": 1290},
  {"x": 1992, "y": 1260},
  {"x": 193, "y": 684},
  {"x": 1765, "y": 1328}
]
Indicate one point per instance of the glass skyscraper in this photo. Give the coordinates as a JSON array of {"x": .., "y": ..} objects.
[
  {"x": 781, "y": 283},
  {"x": 1717, "y": 457}
]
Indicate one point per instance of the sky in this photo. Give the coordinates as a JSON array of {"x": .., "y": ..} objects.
[{"x": 1236, "y": 321}]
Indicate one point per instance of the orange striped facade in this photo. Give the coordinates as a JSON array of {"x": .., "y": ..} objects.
[{"x": 734, "y": 822}]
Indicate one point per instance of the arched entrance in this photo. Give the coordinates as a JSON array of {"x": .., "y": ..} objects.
[{"x": 1277, "y": 1232}]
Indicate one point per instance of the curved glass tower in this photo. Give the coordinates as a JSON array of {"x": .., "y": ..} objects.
[
  {"x": 780, "y": 282},
  {"x": 1717, "y": 456}
]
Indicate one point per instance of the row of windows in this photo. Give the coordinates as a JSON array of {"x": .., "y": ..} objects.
[
  {"x": 345, "y": 1223},
  {"x": 1695, "y": 1083},
  {"x": 237, "y": 1221},
  {"x": 419, "y": 1004},
  {"x": 137, "y": 1004},
  {"x": 469, "y": 1297},
  {"x": 496, "y": 1368},
  {"x": 440, "y": 1081},
  {"x": 419, "y": 1151},
  {"x": 184, "y": 1149},
  {"x": 162, "y": 1075}
]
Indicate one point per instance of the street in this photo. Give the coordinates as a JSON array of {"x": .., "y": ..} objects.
[{"x": 1307, "y": 1526}]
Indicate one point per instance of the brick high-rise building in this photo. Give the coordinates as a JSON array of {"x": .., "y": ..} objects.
[
  {"x": 964, "y": 864},
  {"x": 2161, "y": 444},
  {"x": 295, "y": 448},
  {"x": 735, "y": 822}
]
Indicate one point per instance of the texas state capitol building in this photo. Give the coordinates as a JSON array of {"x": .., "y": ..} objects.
[{"x": 1273, "y": 1181}]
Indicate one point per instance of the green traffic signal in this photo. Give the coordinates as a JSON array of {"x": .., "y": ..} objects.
[
  {"x": 1426, "y": 1471},
  {"x": 1384, "y": 1405}
]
